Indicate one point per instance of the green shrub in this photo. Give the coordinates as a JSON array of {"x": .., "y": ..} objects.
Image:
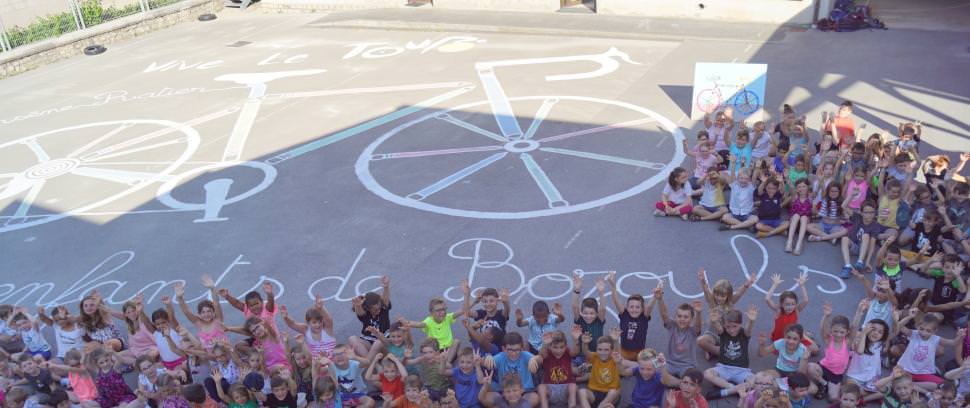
[{"x": 92, "y": 13}]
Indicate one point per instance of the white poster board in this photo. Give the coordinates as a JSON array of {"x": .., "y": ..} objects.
[{"x": 719, "y": 86}]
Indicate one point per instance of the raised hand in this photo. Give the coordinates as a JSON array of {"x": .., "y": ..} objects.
[
  {"x": 801, "y": 279},
  {"x": 504, "y": 295},
  {"x": 207, "y": 281},
  {"x": 577, "y": 281},
  {"x": 776, "y": 279},
  {"x": 166, "y": 300},
  {"x": 698, "y": 306},
  {"x": 385, "y": 281},
  {"x": 600, "y": 286},
  {"x": 611, "y": 278},
  {"x": 577, "y": 332},
  {"x": 827, "y": 309},
  {"x": 179, "y": 289},
  {"x": 752, "y": 312},
  {"x": 557, "y": 308},
  {"x": 224, "y": 292},
  {"x": 268, "y": 288},
  {"x": 615, "y": 333},
  {"x": 519, "y": 315},
  {"x": 283, "y": 312},
  {"x": 658, "y": 291},
  {"x": 534, "y": 364}
]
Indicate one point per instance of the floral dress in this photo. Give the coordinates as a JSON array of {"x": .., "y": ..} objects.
[{"x": 113, "y": 390}]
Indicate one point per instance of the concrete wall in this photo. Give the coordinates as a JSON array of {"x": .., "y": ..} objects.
[
  {"x": 764, "y": 11},
  {"x": 37, "y": 54},
  {"x": 507, "y": 5}
]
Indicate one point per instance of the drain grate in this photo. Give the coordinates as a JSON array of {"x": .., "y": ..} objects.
[{"x": 238, "y": 44}]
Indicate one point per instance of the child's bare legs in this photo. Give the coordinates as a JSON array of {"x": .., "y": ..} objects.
[
  {"x": 707, "y": 343},
  {"x": 735, "y": 224},
  {"x": 765, "y": 230},
  {"x": 361, "y": 347},
  {"x": 711, "y": 376},
  {"x": 834, "y": 391},
  {"x": 926, "y": 386},
  {"x": 793, "y": 225},
  {"x": 375, "y": 348},
  {"x": 543, "y": 395},
  {"x": 803, "y": 225},
  {"x": 586, "y": 398},
  {"x": 571, "y": 389},
  {"x": 705, "y": 215},
  {"x": 610, "y": 399},
  {"x": 818, "y": 234},
  {"x": 846, "y": 255}
]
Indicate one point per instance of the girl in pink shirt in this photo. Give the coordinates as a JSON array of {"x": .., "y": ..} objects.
[
  {"x": 254, "y": 306},
  {"x": 266, "y": 339},
  {"x": 801, "y": 216},
  {"x": 140, "y": 339},
  {"x": 209, "y": 320},
  {"x": 836, "y": 336}
]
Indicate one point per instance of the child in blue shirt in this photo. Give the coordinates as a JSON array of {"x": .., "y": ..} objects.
[
  {"x": 652, "y": 379},
  {"x": 540, "y": 322}
]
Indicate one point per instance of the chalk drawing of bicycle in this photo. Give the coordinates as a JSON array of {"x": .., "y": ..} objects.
[{"x": 82, "y": 168}]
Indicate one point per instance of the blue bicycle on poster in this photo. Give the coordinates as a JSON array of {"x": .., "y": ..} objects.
[{"x": 746, "y": 102}]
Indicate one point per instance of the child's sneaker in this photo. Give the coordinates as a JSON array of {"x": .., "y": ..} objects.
[
  {"x": 846, "y": 272},
  {"x": 859, "y": 266}
]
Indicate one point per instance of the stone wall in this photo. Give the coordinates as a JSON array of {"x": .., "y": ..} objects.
[
  {"x": 41, "y": 53},
  {"x": 23, "y": 12}
]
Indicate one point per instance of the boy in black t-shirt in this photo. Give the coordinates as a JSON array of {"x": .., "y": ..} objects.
[
  {"x": 489, "y": 315},
  {"x": 927, "y": 238},
  {"x": 732, "y": 364},
  {"x": 949, "y": 290},
  {"x": 374, "y": 312},
  {"x": 862, "y": 239},
  {"x": 34, "y": 378}
]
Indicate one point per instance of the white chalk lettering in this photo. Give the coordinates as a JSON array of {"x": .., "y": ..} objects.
[
  {"x": 449, "y": 44},
  {"x": 181, "y": 65},
  {"x": 484, "y": 262}
]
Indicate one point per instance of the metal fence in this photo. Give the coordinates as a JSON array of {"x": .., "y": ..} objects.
[{"x": 27, "y": 21}]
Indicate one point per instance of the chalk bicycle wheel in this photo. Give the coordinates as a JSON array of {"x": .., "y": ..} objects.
[
  {"x": 68, "y": 171},
  {"x": 538, "y": 176}
]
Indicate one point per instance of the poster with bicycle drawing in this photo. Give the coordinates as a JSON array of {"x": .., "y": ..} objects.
[{"x": 740, "y": 87}]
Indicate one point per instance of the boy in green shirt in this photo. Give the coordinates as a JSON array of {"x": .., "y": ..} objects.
[{"x": 438, "y": 324}]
